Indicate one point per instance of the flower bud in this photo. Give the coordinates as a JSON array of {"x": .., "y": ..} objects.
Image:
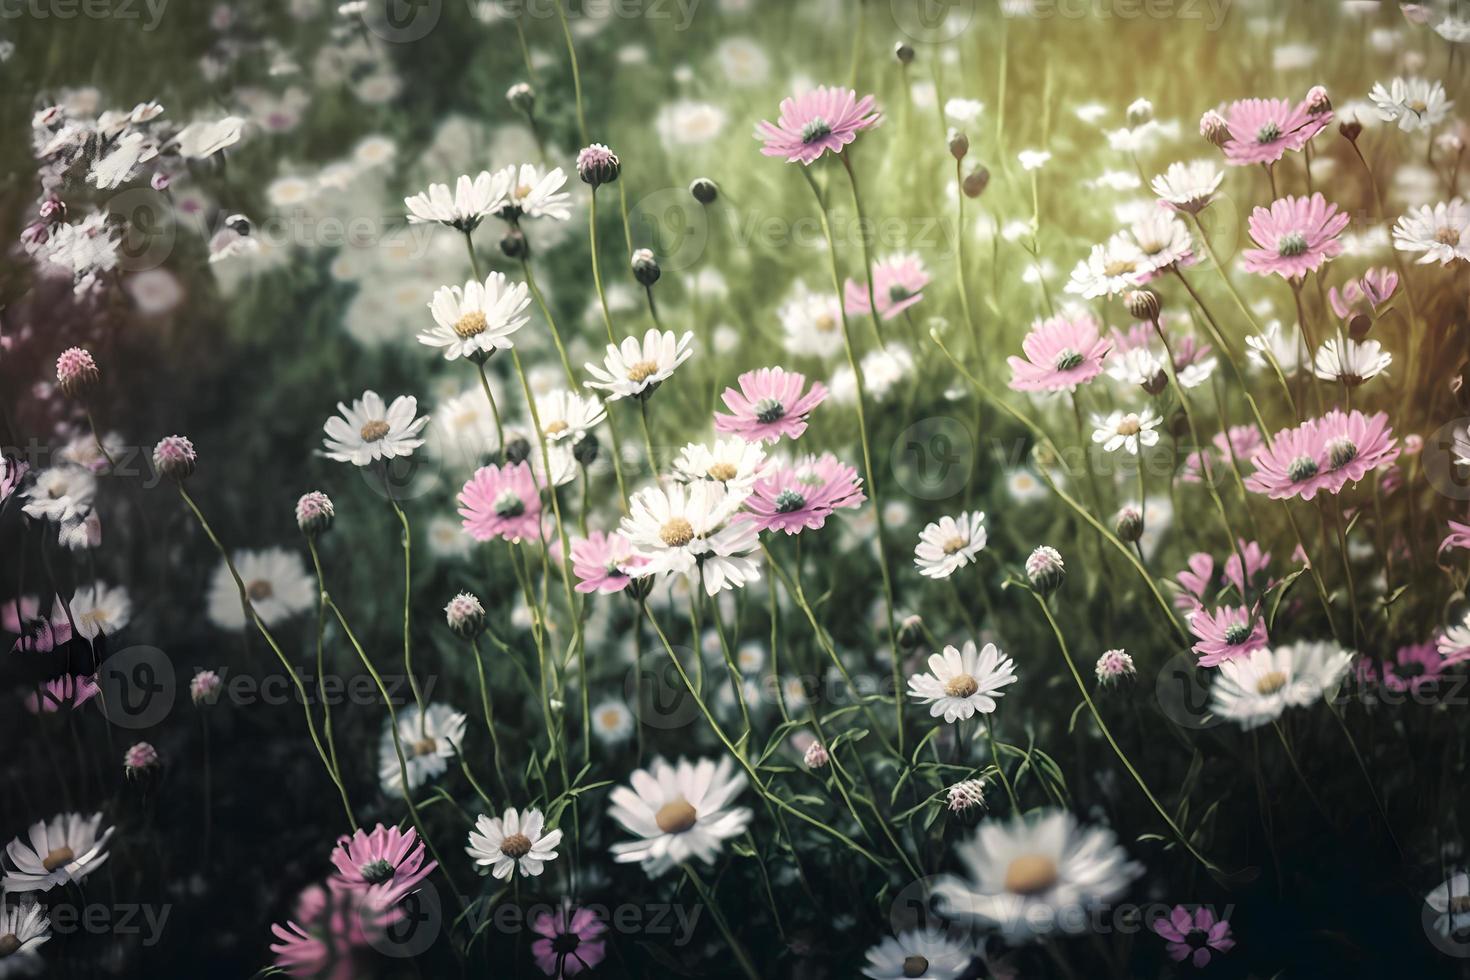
[
  {"x": 1045, "y": 570},
  {"x": 959, "y": 144},
  {"x": 966, "y": 794},
  {"x": 76, "y": 372},
  {"x": 314, "y": 513},
  {"x": 518, "y": 450},
  {"x": 910, "y": 633},
  {"x": 521, "y": 96},
  {"x": 1129, "y": 523},
  {"x": 174, "y": 457},
  {"x": 597, "y": 165},
  {"x": 205, "y": 687},
  {"x": 140, "y": 758},
  {"x": 1139, "y": 112},
  {"x": 815, "y": 756},
  {"x": 1351, "y": 129},
  {"x": 1213, "y": 128},
  {"x": 645, "y": 267},
  {"x": 585, "y": 449},
  {"x": 465, "y": 615},
  {"x": 1114, "y": 666},
  {"x": 1143, "y": 304},
  {"x": 904, "y": 53},
  {"x": 52, "y": 209},
  {"x": 704, "y": 190},
  {"x": 975, "y": 182},
  {"x": 513, "y": 245},
  {"x": 1317, "y": 101}
]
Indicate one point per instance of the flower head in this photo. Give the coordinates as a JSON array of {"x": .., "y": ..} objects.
[
  {"x": 386, "y": 860},
  {"x": 174, "y": 457},
  {"x": 1188, "y": 187},
  {"x": 688, "y": 530},
  {"x": 1045, "y": 570},
  {"x": 801, "y": 496},
  {"x": 471, "y": 201},
  {"x": 24, "y": 929},
  {"x": 1061, "y": 353},
  {"x": 515, "y": 841},
  {"x": 1226, "y": 633},
  {"x": 1264, "y": 130},
  {"x": 428, "y": 742},
  {"x": 1113, "y": 666},
  {"x": 1193, "y": 936},
  {"x": 465, "y": 614},
  {"x": 1414, "y": 103},
  {"x": 314, "y": 512},
  {"x": 1294, "y": 237},
  {"x": 277, "y": 584},
  {"x": 965, "y": 795},
  {"x": 1441, "y": 232},
  {"x": 476, "y": 320},
  {"x": 922, "y": 952},
  {"x": 54, "y": 852},
  {"x": 598, "y": 165},
  {"x": 570, "y": 940},
  {"x": 1257, "y": 687},
  {"x": 531, "y": 192},
  {"x": 140, "y": 758},
  {"x": 962, "y": 682},
  {"x": 602, "y": 562},
  {"x": 501, "y": 502},
  {"x": 949, "y": 544},
  {"x": 898, "y": 283},
  {"x": 678, "y": 812},
  {"x": 1126, "y": 430},
  {"x": 1323, "y": 455},
  {"x": 369, "y": 429},
  {"x": 769, "y": 404},
  {"x": 1350, "y": 362},
  {"x": 634, "y": 369},
  {"x": 76, "y": 372},
  {"x": 826, "y": 118}
]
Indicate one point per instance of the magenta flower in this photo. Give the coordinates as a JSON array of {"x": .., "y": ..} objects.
[
  {"x": 331, "y": 928},
  {"x": 1371, "y": 291},
  {"x": 1193, "y": 936},
  {"x": 1295, "y": 236},
  {"x": 898, "y": 283},
  {"x": 1226, "y": 633},
  {"x": 1412, "y": 668},
  {"x": 826, "y": 118},
  {"x": 769, "y": 405},
  {"x": 1323, "y": 454},
  {"x": 501, "y": 502},
  {"x": 35, "y": 633},
  {"x": 802, "y": 496},
  {"x": 570, "y": 941},
  {"x": 601, "y": 562},
  {"x": 1256, "y": 562},
  {"x": 65, "y": 691},
  {"x": 1263, "y": 130},
  {"x": 1061, "y": 353},
  {"x": 388, "y": 861},
  {"x": 1243, "y": 440},
  {"x": 1194, "y": 582}
]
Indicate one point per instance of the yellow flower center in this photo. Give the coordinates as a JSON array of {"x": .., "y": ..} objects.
[
  {"x": 425, "y": 746},
  {"x": 954, "y": 544},
  {"x": 676, "y": 533},
  {"x": 374, "y": 430},
  {"x": 915, "y": 966},
  {"x": 722, "y": 472},
  {"x": 1031, "y": 874},
  {"x": 826, "y": 323},
  {"x": 9, "y": 944},
  {"x": 675, "y": 816},
  {"x": 1447, "y": 235},
  {"x": 470, "y": 324},
  {"x": 642, "y": 371},
  {"x": 1129, "y": 426},
  {"x": 57, "y": 858},
  {"x": 961, "y": 686},
  {"x": 1271, "y": 683},
  {"x": 556, "y": 428},
  {"x": 1118, "y": 267},
  {"x": 259, "y": 589}
]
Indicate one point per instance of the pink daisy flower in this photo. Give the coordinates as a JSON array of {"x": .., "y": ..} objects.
[
  {"x": 1355, "y": 445},
  {"x": 1365, "y": 294},
  {"x": 1412, "y": 668},
  {"x": 1244, "y": 440},
  {"x": 1194, "y": 582},
  {"x": 826, "y": 118},
  {"x": 570, "y": 941},
  {"x": 63, "y": 692},
  {"x": 1295, "y": 236},
  {"x": 1061, "y": 353},
  {"x": 769, "y": 405},
  {"x": 1263, "y": 130},
  {"x": 898, "y": 283},
  {"x": 601, "y": 562},
  {"x": 35, "y": 633},
  {"x": 387, "y": 860},
  {"x": 501, "y": 502},
  {"x": 801, "y": 497},
  {"x": 1256, "y": 562},
  {"x": 332, "y": 926},
  {"x": 1193, "y": 936},
  {"x": 1225, "y": 634}
]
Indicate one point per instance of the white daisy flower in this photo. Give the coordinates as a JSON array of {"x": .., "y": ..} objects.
[
  {"x": 732, "y": 462},
  {"x": 1109, "y": 269},
  {"x": 1126, "y": 430},
  {"x": 1284, "y": 346},
  {"x": 1350, "y": 361},
  {"x": 122, "y": 161},
  {"x": 882, "y": 370},
  {"x": 57, "y": 852},
  {"x": 949, "y": 544},
  {"x": 203, "y": 139},
  {"x": 471, "y": 202},
  {"x": 633, "y": 369},
  {"x": 100, "y": 610},
  {"x": 370, "y": 430},
  {"x": 1163, "y": 239},
  {"x": 1033, "y": 159},
  {"x": 1194, "y": 374},
  {"x": 1138, "y": 366},
  {"x": 963, "y": 110},
  {"x": 685, "y": 122},
  {"x": 276, "y": 580},
  {"x": 812, "y": 322},
  {"x": 1033, "y": 875},
  {"x": 24, "y": 929},
  {"x": 1414, "y": 103},
  {"x": 567, "y": 416},
  {"x": 60, "y": 493},
  {"x": 504, "y": 844},
  {"x": 1254, "y": 689},
  {"x": 1189, "y": 187},
  {"x": 1454, "y": 642},
  {"x": 427, "y": 746},
  {"x": 1451, "y": 903},
  {"x": 533, "y": 193},
  {"x": 1023, "y": 486},
  {"x": 925, "y": 953},
  {"x": 612, "y": 722},
  {"x": 678, "y": 812},
  {"x": 1441, "y": 232},
  {"x": 687, "y": 530},
  {"x": 962, "y": 682},
  {"x": 478, "y": 319}
]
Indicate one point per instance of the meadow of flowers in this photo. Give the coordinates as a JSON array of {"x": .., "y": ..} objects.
[{"x": 735, "y": 488}]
